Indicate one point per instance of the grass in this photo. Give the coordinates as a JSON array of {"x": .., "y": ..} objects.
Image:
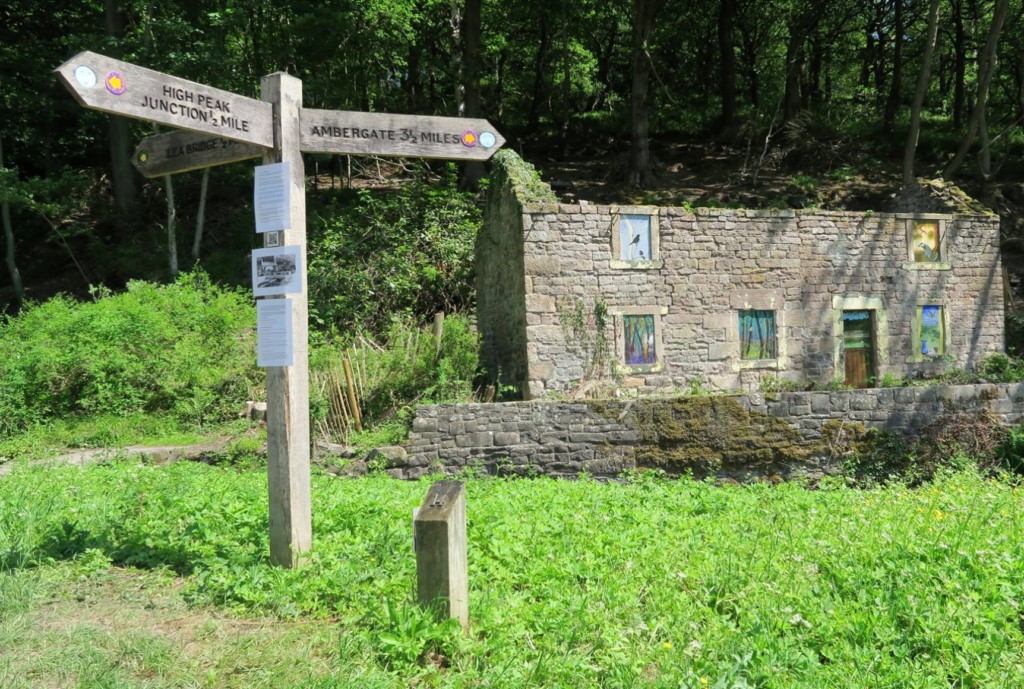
[{"x": 572, "y": 584}]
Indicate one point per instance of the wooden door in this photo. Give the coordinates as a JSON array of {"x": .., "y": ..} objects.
[{"x": 858, "y": 349}]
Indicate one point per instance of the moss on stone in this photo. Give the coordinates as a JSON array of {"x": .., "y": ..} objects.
[
  {"x": 508, "y": 168},
  {"x": 707, "y": 435}
]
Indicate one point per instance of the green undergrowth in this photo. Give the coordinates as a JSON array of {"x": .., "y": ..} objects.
[
  {"x": 181, "y": 350},
  {"x": 575, "y": 584}
]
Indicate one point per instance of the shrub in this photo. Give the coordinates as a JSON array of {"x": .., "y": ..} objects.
[
  {"x": 185, "y": 349},
  {"x": 406, "y": 252}
]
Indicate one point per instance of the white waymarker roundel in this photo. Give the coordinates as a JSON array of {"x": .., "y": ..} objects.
[
  {"x": 487, "y": 139},
  {"x": 85, "y": 77}
]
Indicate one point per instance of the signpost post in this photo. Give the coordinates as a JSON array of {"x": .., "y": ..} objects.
[{"x": 224, "y": 127}]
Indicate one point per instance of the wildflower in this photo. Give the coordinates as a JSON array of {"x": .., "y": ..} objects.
[
  {"x": 703, "y": 681},
  {"x": 667, "y": 645},
  {"x": 938, "y": 514},
  {"x": 798, "y": 619}
]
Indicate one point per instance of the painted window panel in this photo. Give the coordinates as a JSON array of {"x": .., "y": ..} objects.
[
  {"x": 635, "y": 238},
  {"x": 639, "y": 344},
  {"x": 758, "y": 337},
  {"x": 933, "y": 333},
  {"x": 857, "y": 329},
  {"x": 926, "y": 242}
]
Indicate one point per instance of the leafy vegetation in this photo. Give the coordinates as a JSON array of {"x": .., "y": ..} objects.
[
  {"x": 183, "y": 349},
  {"x": 573, "y": 584},
  {"x": 381, "y": 256}
]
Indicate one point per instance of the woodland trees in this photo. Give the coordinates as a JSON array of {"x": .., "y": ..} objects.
[{"x": 588, "y": 74}]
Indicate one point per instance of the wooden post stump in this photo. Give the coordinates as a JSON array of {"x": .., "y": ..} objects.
[{"x": 442, "y": 576}]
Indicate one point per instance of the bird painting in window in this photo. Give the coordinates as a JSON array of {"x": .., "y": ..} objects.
[{"x": 929, "y": 254}]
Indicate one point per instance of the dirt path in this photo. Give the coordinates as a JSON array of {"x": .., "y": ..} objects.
[{"x": 161, "y": 454}]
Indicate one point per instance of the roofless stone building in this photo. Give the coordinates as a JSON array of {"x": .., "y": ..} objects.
[{"x": 660, "y": 298}]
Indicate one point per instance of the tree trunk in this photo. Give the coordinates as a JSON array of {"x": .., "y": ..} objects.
[
  {"x": 985, "y": 154},
  {"x": 605, "y": 55},
  {"x": 910, "y": 150},
  {"x": 122, "y": 173},
  {"x": 959, "y": 64},
  {"x": 533, "y": 119},
  {"x": 892, "y": 103},
  {"x": 12, "y": 266},
  {"x": 986, "y": 68},
  {"x": 197, "y": 241},
  {"x": 172, "y": 234},
  {"x": 794, "y": 66},
  {"x": 750, "y": 67},
  {"x": 727, "y": 62},
  {"x": 639, "y": 172},
  {"x": 455, "y": 18},
  {"x": 472, "y": 171}
]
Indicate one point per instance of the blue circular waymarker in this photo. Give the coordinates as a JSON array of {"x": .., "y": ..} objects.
[{"x": 487, "y": 139}]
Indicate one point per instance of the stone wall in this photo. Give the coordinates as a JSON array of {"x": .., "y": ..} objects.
[
  {"x": 538, "y": 261},
  {"x": 806, "y": 266},
  {"x": 740, "y": 437},
  {"x": 501, "y": 279}
]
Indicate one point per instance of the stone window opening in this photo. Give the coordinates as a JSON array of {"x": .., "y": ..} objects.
[
  {"x": 635, "y": 239},
  {"x": 638, "y": 339},
  {"x": 927, "y": 248},
  {"x": 758, "y": 333},
  {"x": 930, "y": 332}
]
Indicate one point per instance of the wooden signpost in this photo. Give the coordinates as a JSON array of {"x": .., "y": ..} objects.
[
  {"x": 385, "y": 134},
  {"x": 103, "y": 83},
  {"x": 182, "y": 151},
  {"x": 277, "y": 128}
]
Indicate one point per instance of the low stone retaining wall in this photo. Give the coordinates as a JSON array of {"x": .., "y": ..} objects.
[{"x": 741, "y": 437}]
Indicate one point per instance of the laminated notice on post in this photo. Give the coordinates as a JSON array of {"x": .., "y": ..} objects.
[
  {"x": 274, "y": 333},
  {"x": 272, "y": 197}
]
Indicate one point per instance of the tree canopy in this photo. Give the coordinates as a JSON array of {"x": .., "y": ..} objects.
[{"x": 562, "y": 77}]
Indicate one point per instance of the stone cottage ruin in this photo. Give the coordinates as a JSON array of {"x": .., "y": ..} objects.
[{"x": 658, "y": 298}]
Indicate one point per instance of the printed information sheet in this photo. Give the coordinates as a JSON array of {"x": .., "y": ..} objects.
[
  {"x": 274, "y": 333},
  {"x": 272, "y": 197}
]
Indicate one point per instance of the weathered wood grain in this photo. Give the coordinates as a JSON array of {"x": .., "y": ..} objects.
[
  {"x": 442, "y": 567},
  {"x": 291, "y": 531},
  {"x": 183, "y": 151},
  {"x": 388, "y": 134},
  {"x": 133, "y": 91}
]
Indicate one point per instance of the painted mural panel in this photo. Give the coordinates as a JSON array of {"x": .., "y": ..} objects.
[
  {"x": 926, "y": 241},
  {"x": 639, "y": 340},
  {"x": 635, "y": 238},
  {"x": 933, "y": 335},
  {"x": 758, "y": 337}
]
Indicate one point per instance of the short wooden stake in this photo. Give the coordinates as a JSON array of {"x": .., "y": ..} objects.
[
  {"x": 438, "y": 331},
  {"x": 442, "y": 574},
  {"x": 353, "y": 401}
]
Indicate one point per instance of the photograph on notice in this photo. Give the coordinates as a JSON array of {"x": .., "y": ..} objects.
[{"x": 276, "y": 271}]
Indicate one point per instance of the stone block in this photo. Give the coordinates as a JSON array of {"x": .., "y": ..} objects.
[
  {"x": 863, "y": 401},
  {"x": 391, "y": 457},
  {"x": 479, "y": 439},
  {"x": 540, "y": 303},
  {"x": 421, "y": 424},
  {"x": 543, "y": 265},
  {"x": 506, "y": 439},
  {"x": 721, "y": 350},
  {"x": 821, "y": 403}
]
